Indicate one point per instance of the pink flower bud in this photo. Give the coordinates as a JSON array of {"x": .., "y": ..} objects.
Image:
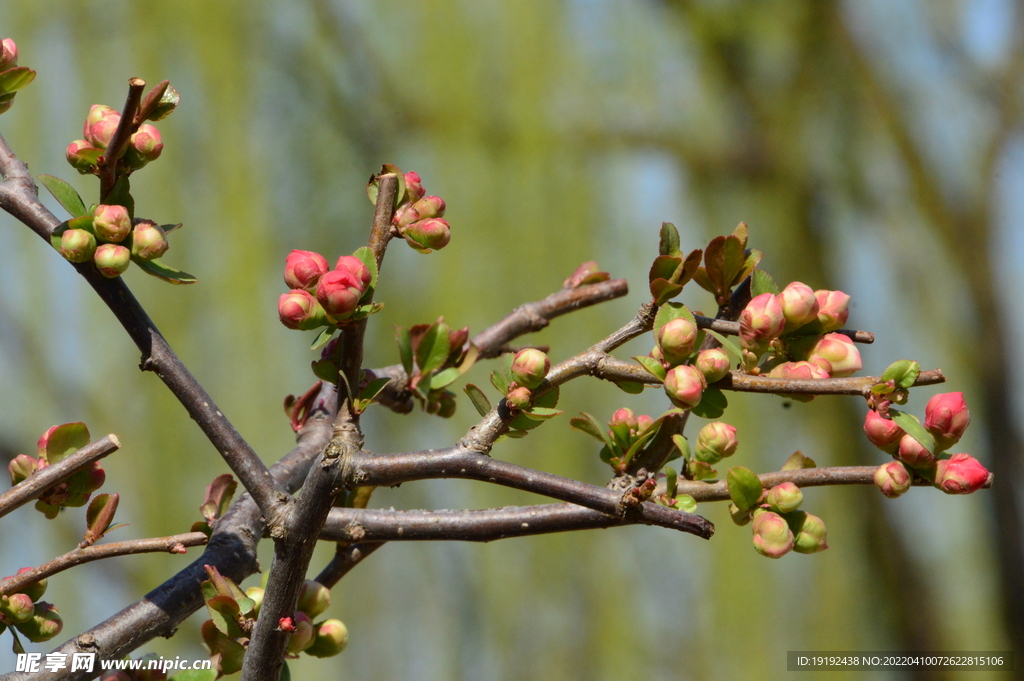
[
  {"x": 82, "y": 156},
  {"x": 713, "y": 363},
  {"x": 35, "y": 590},
  {"x": 785, "y": 497},
  {"x": 623, "y": 416},
  {"x": 8, "y": 54},
  {"x": 883, "y": 433},
  {"x": 836, "y": 354},
  {"x": 358, "y": 269},
  {"x": 809, "y": 535},
  {"x": 676, "y": 340},
  {"x": 424, "y": 235},
  {"x": 405, "y": 216},
  {"x": 303, "y": 635},
  {"x": 518, "y": 398},
  {"x": 799, "y": 305},
  {"x": 112, "y": 259},
  {"x": 912, "y": 453},
  {"x": 960, "y": 474},
  {"x": 21, "y": 467},
  {"x": 331, "y": 639},
  {"x": 303, "y": 269},
  {"x": 529, "y": 367},
  {"x": 147, "y": 143},
  {"x": 892, "y": 478},
  {"x": 800, "y": 371},
  {"x": 643, "y": 422},
  {"x": 299, "y": 310},
  {"x": 339, "y": 292},
  {"x": 772, "y": 536},
  {"x": 946, "y": 418},
  {"x": 44, "y": 624},
  {"x": 17, "y": 608},
  {"x": 414, "y": 186},
  {"x": 684, "y": 385},
  {"x": 148, "y": 240},
  {"x": 77, "y": 245},
  {"x": 832, "y": 309},
  {"x": 111, "y": 223},
  {"x": 715, "y": 441},
  {"x": 100, "y": 125},
  {"x": 314, "y": 598},
  {"x": 760, "y": 322},
  {"x": 429, "y": 207}
]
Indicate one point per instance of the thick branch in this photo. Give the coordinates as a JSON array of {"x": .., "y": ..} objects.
[
  {"x": 174, "y": 544},
  {"x": 40, "y": 481}
]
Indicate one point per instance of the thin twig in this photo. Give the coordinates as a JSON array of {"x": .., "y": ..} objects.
[
  {"x": 345, "y": 558},
  {"x": 40, "y": 481},
  {"x": 176, "y": 543},
  {"x": 119, "y": 140},
  {"x": 729, "y": 328}
]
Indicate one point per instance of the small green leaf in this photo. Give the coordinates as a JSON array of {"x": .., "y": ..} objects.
[
  {"x": 762, "y": 282},
  {"x": 670, "y": 311},
  {"x": 218, "y": 496},
  {"x": 729, "y": 345},
  {"x": 121, "y": 195},
  {"x": 546, "y": 401},
  {"x": 433, "y": 348},
  {"x": 224, "y": 612},
  {"x": 663, "y": 291},
  {"x": 323, "y": 338},
  {"x": 686, "y": 503},
  {"x": 671, "y": 478},
  {"x": 478, "y": 398},
  {"x": 516, "y": 434},
  {"x": 404, "y": 339},
  {"x": 742, "y": 232},
  {"x": 797, "y": 460},
  {"x": 653, "y": 366},
  {"x": 664, "y": 267},
  {"x": 541, "y": 413},
  {"x": 902, "y": 372},
  {"x": 752, "y": 259},
  {"x": 913, "y": 428},
  {"x": 744, "y": 487},
  {"x": 325, "y": 370},
  {"x": 669, "y": 242},
  {"x": 681, "y": 446},
  {"x": 161, "y": 271},
  {"x": 445, "y": 378},
  {"x": 690, "y": 266},
  {"x": 100, "y": 515},
  {"x": 62, "y": 440},
  {"x": 16, "y": 646},
  {"x": 704, "y": 280},
  {"x": 500, "y": 382},
  {"x": 589, "y": 425},
  {"x": 631, "y": 387},
  {"x": 701, "y": 470},
  {"x": 168, "y": 102},
  {"x": 713, "y": 404},
  {"x": 640, "y": 442},
  {"x": 15, "y": 79},
  {"x": 374, "y": 388},
  {"x": 366, "y": 256},
  {"x": 65, "y": 194},
  {"x": 373, "y": 185}
]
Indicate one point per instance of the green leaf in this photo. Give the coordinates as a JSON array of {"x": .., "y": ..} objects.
[
  {"x": 286, "y": 674},
  {"x": 478, "y": 398},
  {"x": 670, "y": 311},
  {"x": 232, "y": 654},
  {"x": 681, "y": 446},
  {"x": 664, "y": 267},
  {"x": 100, "y": 515},
  {"x": 744, "y": 487},
  {"x": 60, "y": 441},
  {"x": 589, "y": 425},
  {"x": 168, "y": 102},
  {"x": 515, "y": 434},
  {"x": 653, "y": 366},
  {"x": 762, "y": 282},
  {"x": 433, "y": 348},
  {"x": 366, "y": 256},
  {"x": 671, "y": 479},
  {"x": 701, "y": 470},
  {"x": 662, "y": 291},
  {"x": 325, "y": 370},
  {"x": 224, "y": 612},
  {"x": 546, "y": 401},
  {"x": 195, "y": 675},
  {"x": 161, "y": 271},
  {"x": 74, "y": 223},
  {"x": 742, "y": 232},
  {"x": 751, "y": 261},
  {"x": 218, "y": 496},
  {"x": 669, "y": 242},
  {"x": 729, "y": 345},
  {"x": 323, "y": 338},
  {"x": 65, "y": 194},
  {"x": 640, "y": 442},
  {"x": 500, "y": 382},
  {"x": 713, "y": 404},
  {"x": 445, "y": 378},
  {"x": 374, "y": 388},
  {"x": 913, "y": 428},
  {"x": 686, "y": 503},
  {"x": 902, "y": 372},
  {"x": 704, "y": 280},
  {"x": 404, "y": 339},
  {"x": 16, "y": 645},
  {"x": 15, "y": 79},
  {"x": 121, "y": 195},
  {"x": 373, "y": 185},
  {"x": 541, "y": 413},
  {"x": 797, "y": 460},
  {"x": 690, "y": 266},
  {"x": 631, "y": 387}
]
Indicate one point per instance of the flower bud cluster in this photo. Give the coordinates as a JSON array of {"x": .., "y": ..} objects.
[
  {"x": 37, "y": 620},
  {"x": 144, "y": 145},
  {"x": 419, "y": 218},
  {"x": 529, "y": 368},
  {"x": 778, "y": 527},
  {"x": 71, "y": 492},
  {"x": 110, "y": 239},
  {"x": 320, "y": 296},
  {"x": 12, "y": 77}
]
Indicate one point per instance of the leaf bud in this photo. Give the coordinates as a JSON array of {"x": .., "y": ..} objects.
[
  {"x": 44, "y": 624},
  {"x": 331, "y": 639},
  {"x": 314, "y": 598},
  {"x": 946, "y": 417},
  {"x": 427, "y": 235},
  {"x": 529, "y": 367},
  {"x": 684, "y": 385},
  {"x": 893, "y": 479},
  {"x": 111, "y": 223},
  {"x": 960, "y": 474},
  {"x": 713, "y": 363},
  {"x": 297, "y": 309},
  {"x": 832, "y": 309},
  {"x": 715, "y": 441},
  {"x": 112, "y": 259},
  {"x": 676, "y": 340},
  {"x": 772, "y": 536},
  {"x": 883, "y": 433},
  {"x": 799, "y": 305},
  {"x": 149, "y": 241},
  {"x": 785, "y": 497}
]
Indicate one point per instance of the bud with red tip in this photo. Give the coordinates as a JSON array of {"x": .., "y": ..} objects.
[
  {"x": 427, "y": 235},
  {"x": 111, "y": 223},
  {"x": 44, "y": 624},
  {"x": 8, "y": 54},
  {"x": 297, "y": 309},
  {"x": 303, "y": 269},
  {"x": 82, "y": 156},
  {"x": 893, "y": 479},
  {"x": 112, "y": 259},
  {"x": 785, "y": 497},
  {"x": 836, "y": 354},
  {"x": 913, "y": 453},
  {"x": 799, "y": 305},
  {"x": 713, "y": 363},
  {"x": 715, "y": 441},
  {"x": 100, "y": 125},
  {"x": 149, "y": 241},
  {"x": 331, "y": 639},
  {"x": 960, "y": 474},
  {"x": 772, "y": 536},
  {"x": 413, "y": 186},
  {"x": 946, "y": 417},
  {"x": 684, "y": 385},
  {"x": 302, "y": 635},
  {"x": 676, "y": 340},
  {"x": 832, "y": 309},
  {"x": 529, "y": 367},
  {"x": 761, "y": 321},
  {"x": 809, "y": 535},
  {"x": 144, "y": 146},
  {"x": 339, "y": 292},
  {"x": 883, "y": 433},
  {"x": 314, "y": 598},
  {"x": 77, "y": 245}
]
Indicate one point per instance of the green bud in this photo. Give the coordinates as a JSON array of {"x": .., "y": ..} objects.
[
  {"x": 77, "y": 245},
  {"x": 785, "y": 497},
  {"x": 44, "y": 624},
  {"x": 331, "y": 639},
  {"x": 529, "y": 367},
  {"x": 314, "y": 598}
]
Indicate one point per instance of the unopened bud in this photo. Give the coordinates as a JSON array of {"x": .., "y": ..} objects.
[
  {"x": 82, "y": 156},
  {"x": 529, "y": 367},
  {"x": 331, "y": 639},
  {"x": 893, "y": 479},
  {"x": 149, "y": 241},
  {"x": 676, "y": 340},
  {"x": 785, "y": 497},
  {"x": 44, "y": 624},
  {"x": 429, "y": 207},
  {"x": 144, "y": 146},
  {"x": 297, "y": 309},
  {"x": 8, "y": 54},
  {"x": 799, "y": 305},
  {"x": 836, "y": 354},
  {"x": 623, "y": 416},
  {"x": 715, "y": 441},
  {"x": 713, "y": 363},
  {"x": 760, "y": 322},
  {"x": 883, "y": 433},
  {"x": 809, "y": 535},
  {"x": 256, "y": 594},
  {"x": 303, "y": 269},
  {"x": 112, "y": 259},
  {"x": 357, "y": 267},
  {"x": 77, "y": 245},
  {"x": 314, "y": 598},
  {"x": 34, "y": 590},
  {"x": 960, "y": 474},
  {"x": 413, "y": 186},
  {"x": 17, "y": 608},
  {"x": 772, "y": 536},
  {"x": 946, "y": 417},
  {"x": 518, "y": 398},
  {"x": 339, "y": 292},
  {"x": 303, "y": 634},
  {"x": 832, "y": 309},
  {"x": 100, "y": 125},
  {"x": 684, "y": 385},
  {"x": 21, "y": 467},
  {"x": 798, "y": 371},
  {"x": 913, "y": 453},
  {"x": 425, "y": 235},
  {"x": 111, "y": 223}
]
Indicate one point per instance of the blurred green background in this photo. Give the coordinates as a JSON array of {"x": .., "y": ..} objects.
[{"x": 873, "y": 146}]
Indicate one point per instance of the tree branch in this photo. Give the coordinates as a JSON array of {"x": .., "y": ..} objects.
[
  {"x": 119, "y": 140},
  {"x": 345, "y": 558},
  {"x": 40, "y": 481}
]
